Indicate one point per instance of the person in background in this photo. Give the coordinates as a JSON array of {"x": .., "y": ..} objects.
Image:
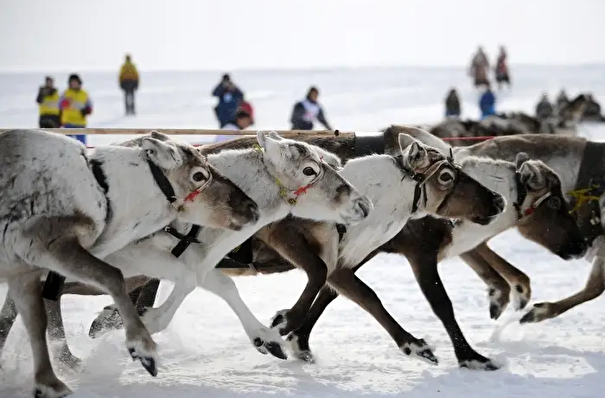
[
  {"x": 544, "y": 108},
  {"x": 229, "y": 99},
  {"x": 562, "y": 101},
  {"x": 502, "y": 75},
  {"x": 592, "y": 112},
  {"x": 247, "y": 107},
  {"x": 487, "y": 102},
  {"x": 48, "y": 100},
  {"x": 129, "y": 83},
  {"x": 75, "y": 106},
  {"x": 241, "y": 121},
  {"x": 305, "y": 112},
  {"x": 452, "y": 104},
  {"x": 479, "y": 68}
]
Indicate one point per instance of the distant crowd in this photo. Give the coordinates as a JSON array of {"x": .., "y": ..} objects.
[{"x": 71, "y": 108}]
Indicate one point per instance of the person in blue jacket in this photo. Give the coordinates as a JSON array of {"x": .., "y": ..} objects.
[
  {"x": 230, "y": 98},
  {"x": 487, "y": 103}
]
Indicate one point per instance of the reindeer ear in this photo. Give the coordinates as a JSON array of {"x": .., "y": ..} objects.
[
  {"x": 416, "y": 156},
  {"x": 531, "y": 176},
  {"x": 163, "y": 154},
  {"x": 261, "y": 138},
  {"x": 275, "y": 136},
  {"x": 522, "y": 157},
  {"x": 405, "y": 140},
  {"x": 159, "y": 136}
]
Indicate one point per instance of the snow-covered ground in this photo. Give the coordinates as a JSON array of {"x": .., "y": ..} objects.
[{"x": 205, "y": 352}]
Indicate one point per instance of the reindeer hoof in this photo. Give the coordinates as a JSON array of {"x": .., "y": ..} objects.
[
  {"x": 109, "y": 319},
  {"x": 59, "y": 390},
  {"x": 306, "y": 356},
  {"x": 539, "y": 313},
  {"x": 280, "y": 322},
  {"x": 521, "y": 296},
  {"x": 489, "y": 365},
  {"x": 270, "y": 347},
  {"x": 476, "y": 361},
  {"x": 498, "y": 301},
  {"x": 420, "y": 349},
  {"x": 148, "y": 362}
]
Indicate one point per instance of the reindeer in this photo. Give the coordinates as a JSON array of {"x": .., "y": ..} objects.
[
  {"x": 284, "y": 177},
  {"x": 64, "y": 209},
  {"x": 447, "y": 187}
]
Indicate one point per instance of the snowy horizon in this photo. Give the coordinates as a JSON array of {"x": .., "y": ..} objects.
[{"x": 270, "y": 34}]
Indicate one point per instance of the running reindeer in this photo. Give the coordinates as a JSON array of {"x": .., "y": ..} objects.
[
  {"x": 418, "y": 181},
  {"x": 535, "y": 204},
  {"x": 67, "y": 224},
  {"x": 283, "y": 177}
]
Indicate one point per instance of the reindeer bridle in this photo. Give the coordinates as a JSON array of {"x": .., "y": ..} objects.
[
  {"x": 422, "y": 178},
  {"x": 522, "y": 195}
]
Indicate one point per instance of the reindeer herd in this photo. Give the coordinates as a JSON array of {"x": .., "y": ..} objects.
[{"x": 117, "y": 219}]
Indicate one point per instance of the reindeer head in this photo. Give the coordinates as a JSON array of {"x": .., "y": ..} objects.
[
  {"x": 203, "y": 195},
  {"x": 308, "y": 182},
  {"x": 543, "y": 212},
  {"x": 449, "y": 192}
]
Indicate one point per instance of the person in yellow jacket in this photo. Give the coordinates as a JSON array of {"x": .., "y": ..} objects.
[
  {"x": 48, "y": 104},
  {"x": 75, "y": 106},
  {"x": 129, "y": 82}
]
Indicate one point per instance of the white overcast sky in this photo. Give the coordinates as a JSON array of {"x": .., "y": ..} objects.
[{"x": 66, "y": 35}]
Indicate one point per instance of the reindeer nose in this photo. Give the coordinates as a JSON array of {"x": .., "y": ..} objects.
[
  {"x": 253, "y": 211},
  {"x": 363, "y": 207},
  {"x": 500, "y": 203}
]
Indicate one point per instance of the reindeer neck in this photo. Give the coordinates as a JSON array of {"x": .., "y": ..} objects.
[{"x": 136, "y": 205}]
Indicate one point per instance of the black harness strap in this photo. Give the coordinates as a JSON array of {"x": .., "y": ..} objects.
[
  {"x": 418, "y": 189},
  {"x": 162, "y": 181},
  {"x": 184, "y": 240},
  {"x": 588, "y": 216}
]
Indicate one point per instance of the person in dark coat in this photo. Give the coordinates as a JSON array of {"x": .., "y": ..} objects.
[
  {"x": 544, "y": 108},
  {"x": 48, "y": 104},
  {"x": 305, "y": 112},
  {"x": 487, "y": 103},
  {"x": 229, "y": 97},
  {"x": 452, "y": 104}
]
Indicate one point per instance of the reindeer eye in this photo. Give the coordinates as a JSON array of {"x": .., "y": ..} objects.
[
  {"x": 308, "y": 171},
  {"x": 554, "y": 203},
  {"x": 199, "y": 176},
  {"x": 446, "y": 176}
]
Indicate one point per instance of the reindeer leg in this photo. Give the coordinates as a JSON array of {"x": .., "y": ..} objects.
[
  {"x": 595, "y": 286},
  {"x": 299, "y": 339},
  {"x": 427, "y": 275},
  {"x": 67, "y": 257},
  {"x": 498, "y": 288},
  {"x": 8, "y": 315},
  {"x": 27, "y": 297},
  {"x": 109, "y": 319},
  {"x": 517, "y": 279},
  {"x": 264, "y": 339},
  {"x": 348, "y": 284},
  {"x": 56, "y": 332}
]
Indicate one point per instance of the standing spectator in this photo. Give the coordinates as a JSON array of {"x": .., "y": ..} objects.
[
  {"x": 502, "y": 75},
  {"x": 305, "y": 112},
  {"x": 241, "y": 121},
  {"x": 452, "y": 104},
  {"x": 544, "y": 108},
  {"x": 562, "y": 101},
  {"x": 487, "y": 102},
  {"x": 48, "y": 100},
  {"x": 247, "y": 107},
  {"x": 479, "y": 68},
  {"x": 75, "y": 105},
  {"x": 229, "y": 99},
  {"x": 129, "y": 83}
]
